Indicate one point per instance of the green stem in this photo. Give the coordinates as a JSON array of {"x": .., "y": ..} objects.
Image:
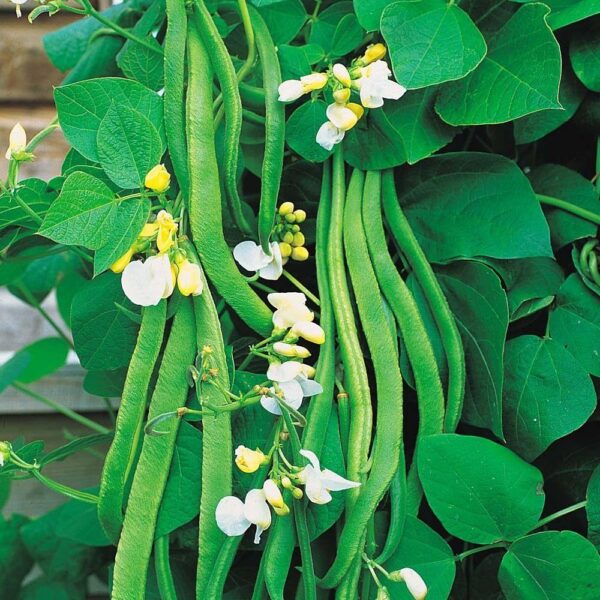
[
  {"x": 164, "y": 576},
  {"x": 301, "y": 287},
  {"x": 560, "y": 513},
  {"x": 64, "y": 489},
  {"x": 467, "y": 553},
  {"x": 42, "y": 135},
  {"x": 569, "y": 207},
  {"x": 67, "y": 412},
  {"x": 26, "y": 207}
]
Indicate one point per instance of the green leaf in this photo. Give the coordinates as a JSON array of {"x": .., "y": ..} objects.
[
  {"x": 33, "y": 192},
  {"x": 75, "y": 445},
  {"x": 84, "y": 213},
  {"x": 489, "y": 15},
  {"x": 483, "y": 583},
  {"x": 181, "y": 498},
  {"x": 82, "y": 106},
  {"x": 284, "y": 19},
  {"x": 417, "y": 123},
  {"x": 430, "y": 42},
  {"x": 132, "y": 217},
  {"x": 15, "y": 561},
  {"x": 325, "y": 26},
  {"x": 347, "y": 37},
  {"x": 480, "y": 491},
  {"x": 301, "y": 130},
  {"x": 12, "y": 368},
  {"x": 45, "y": 357},
  {"x": 369, "y": 12},
  {"x": 43, "y": 588},
  {"x": 592, "y": 508},
  {"x": 423, "y": 550},
  {"x": 547, "y": 394},
  {"x": 560, "y": 182},
  {"x": 128, "y": 146},
  {"x": 510, "y": 82},
  {"x": 551, "y": 564},
  {"x": 78, "y": 522},
  {"x": 293, "y": 61},
  {"x": 107, "y": 384},
  {"x": 469, "y": 204},
  {"x": 531, "y": 283},
  {"x": 566, "y": 12},
  {"x": 374, "y": 131},
  {"x": 480, "y": 308},
  {"x": 142, "y": 64},
  {"x": 104, "y": 337},
  {"x": 585, "y": 56},
  {"x": 535, "y": 126},
  {"x": 575, "y": 323}
]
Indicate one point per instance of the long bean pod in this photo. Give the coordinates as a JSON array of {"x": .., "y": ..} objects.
[
  {"x": 174, "y": 97},
  {"x": 280, "y": 547},
  {"x": 121, "y": 456},
  {"x": 162, "y": 566},
  {"x": 430, "y": 394},
  {"x": 137, "y": 537},
  {"x": 205, "y": 195},
  {"x": 272, "y": 165},
  {"x": 388, "y": 443},
  {"x": 223, "y": 68}
]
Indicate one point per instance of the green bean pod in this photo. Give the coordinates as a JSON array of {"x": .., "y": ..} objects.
[
  {"x": 121, "y": 456},
  {"x": 205, "y": 195},
  {"x": 137, "y": 537},
  {"x": 388, "y": 442},
  {"x": 174, "y": 98},
  {"x": 430, "y": 394},
  {"x": 280, "y": 546},
  {"x": 355, "y": 370},
  {"x": 223, "y": 68},
  {"x": 272, "y": 165},
  {"x": 449, "y": 334},
  {"x": 162, "y": 566}
]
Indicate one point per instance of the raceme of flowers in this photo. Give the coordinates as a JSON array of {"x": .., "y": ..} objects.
[
  {"x": 368, "y": 76},
  {"x": 146, "y": 281},
  {"x": 290, "y": 245}
]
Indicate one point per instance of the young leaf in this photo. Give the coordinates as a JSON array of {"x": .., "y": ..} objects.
[
  {"x": 82, "y": 106},
  {"x": 585, "y": 56},
  {"x": 566, "y": 12},
  {"x": 575, "y": 323},
  {"x": 551, "y": 564},
  {"x": 301, "y": 130},
  {"x": 423, "y": 550},
  {"x": 430, "y": 42},
  {"x": 519, "y": 75},
  {"x": 547, "y": 394},
  {"x": 480, "y": 491},
  {"x": 46, "y": 356},
  {"x": 284, "y": 19}
]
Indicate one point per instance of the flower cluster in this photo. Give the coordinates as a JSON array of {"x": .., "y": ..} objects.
[
  {"x": 368, "y": 76},
  {"x": 290, "y": 245},
  {"x": 235, "y": 517}
]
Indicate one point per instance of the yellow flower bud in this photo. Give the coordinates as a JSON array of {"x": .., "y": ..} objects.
[
  {"x": 308, "y": 331},
  {"x": 285, "y": 249},
  {"x": 248, "y": 461},
  {"x": 17, "y": 141},
  {"x": 300, "y": 254},
  {"x": 149, "y": 230},
  {"x": 291, "y": 350},
  {"x": 297, "y": 493},
  {"x": 273, "y": 494},
  {"x": 342, "y": 96},
  {"x": 119, "y": 265},
  {"x": 288, "y": 237},
  {"x": 5, "y": 449},
  {"x": 158, "y": 179},
  {"x": 374, "y": 52},
  {"x": 166, "y": 230},
  {"x": 308, "y": 371},
  {"x": 298, "y": 240},
  {"x": 283, "y": 511},
  {"x": 357, "y": 109},
  {"x": 189, "y": 279},
  {"x": 314, "y": 81},
  {"x": 286, "y": 482},
  {"x": 300, "y": 215},
  {"x": 290, "y": 218},
  {"x": 286, "y": 208}
]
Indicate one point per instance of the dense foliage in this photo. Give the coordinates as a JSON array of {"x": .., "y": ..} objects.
[{"x": 339, "y": 261}]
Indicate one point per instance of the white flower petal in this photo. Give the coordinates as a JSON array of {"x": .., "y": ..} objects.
[
  {"x": 273, "y": 270},
  {"x": 160, "y": 270},
  {"x": 250, "y": 256},
  {"x": 286, "y": 299},
  {"x": 291, "y": 90},
  {"x": 393, "y": 90},
  {"x": 329, "y": 135},
  {"x": 414, "y": 583},
  {"x": 369, "y": 98},
  {"x": 292, "y": 393},
  {"x": 270, "y": 404},
  {"x": 140, "y": 286},
  {"x": 335, "y": 483},
  {"x": 257, "y": 511},
  {"x": 230, "y": 516},
  {"x": 286, "y": 371},
  {"x": 341, "y": 116},
  {"x": 312, "y": 457},
  {"x": 313, "y": 486},
  {"x": 309, "y": 387}
]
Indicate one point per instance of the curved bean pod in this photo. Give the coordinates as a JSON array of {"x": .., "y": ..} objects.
[
  {"x": 450, "y": 336},
  {"x": 130, "y": 421},
  {"x": 137, "y": 537},
  {"x": 162, "y": 566},
  {"x": 205, "y": 195}
]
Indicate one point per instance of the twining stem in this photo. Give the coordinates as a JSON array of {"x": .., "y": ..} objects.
[
  {"x": 467, "y": 553},
  {"x": 301, "y": 287},
  {"x": 42, "y": 135},
  {"x": 569, "y": 207},
  {"x": 26, "y": 208},
  {"x": 560, "y": 513},
  {"x": 64, "y": 489},
  {"x": 31, "y": 299},
  {"x": 63, "y": 410}
]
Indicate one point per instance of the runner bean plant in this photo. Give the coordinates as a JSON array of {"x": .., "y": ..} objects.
[{"x": 338, "y": 261}]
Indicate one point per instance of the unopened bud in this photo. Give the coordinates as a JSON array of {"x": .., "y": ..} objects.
[
  {"x": 414, "y": 582},
  {"x": 285, "y": 249},
  {"x": 383, "y": 594},
  {"x": 309, "y": 331},
  {"x": 288, "y": 237},
  {"x": 300, "y": 215},
  {"x": 297, "y": 493},
  {"x": 119, "y": 265},
  {"x": 158, "y": 179},
  {"x": 286, "y": 208},
  {"x": 299, "y": 240},
  {"x": 283, "y": 511},
  {"x": 248, "y": 460},
  {"x": 340, "y": 72},
  {"x": 273, "y": 494},
  {"x": 5, "y": 449},
  {"x": 290, "y": 218},
  {"x": 342, "y": 96},
  {"x": 300, "y": 254},
  {"x": 374, "y": 52},
  {"x": 286, "y": 483}
]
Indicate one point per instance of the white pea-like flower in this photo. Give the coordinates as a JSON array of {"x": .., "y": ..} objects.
[
  {"x": 319, "y": 482},
  {"x": 235, "y": 517},
  {"x": 17, "y": 139},
  {"x": 414, "y": 582},
  {"x": 145, "y": 283},
  {"x": 292, "y": 89},
  {"x": 341, "y": 116},
  {"x": 375, "y": 85},
  {"x": 329, "y": 135},
  {"x": 290, "y": 308},
  {"x": 252, "y": 257},
  {"x": 341, "y": 73},
  {"x": 311, "y": 332}
]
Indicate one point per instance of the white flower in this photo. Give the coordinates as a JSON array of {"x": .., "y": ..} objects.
[
  {"x": 292, "y": 89},
  {"x": 17, "y": 140},
  {"x": 291, "y": 308},
  {"x": 341, "y": 116},
  {"x": 291, "y": 350},
  {"x": 340, "y": 72},
  {"x": 329, "y": 135},
  {"x": 311, "y": 332},
  {"x": 253, "y": 258},
  {"x": 273, "y": 494},
  {"x": 234, "y": 517},
  {"x": 375, "y": 85},
  {"x": 414, "y": 583},
  {"x": 318, "y": 483},
  {"x": 282, "y": 372},
  {"x": 146, "y": 283},
  {"x": 18, "y": 6},
  {"x": 293, "y": 381}
]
